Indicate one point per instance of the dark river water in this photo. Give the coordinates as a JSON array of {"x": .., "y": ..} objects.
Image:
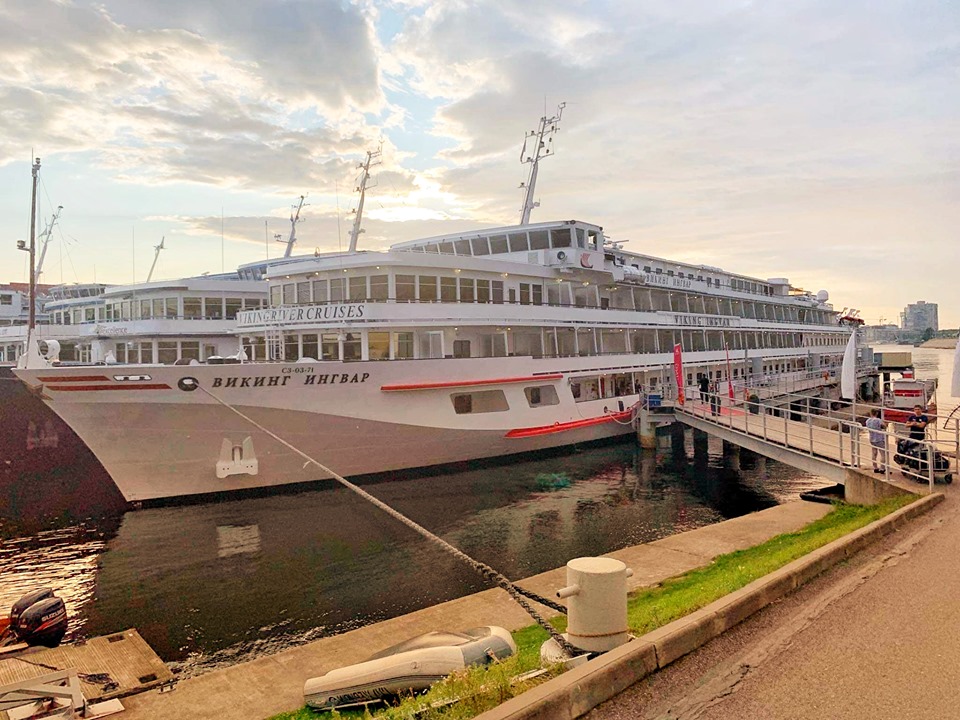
[{"x": 217, "y": 583}]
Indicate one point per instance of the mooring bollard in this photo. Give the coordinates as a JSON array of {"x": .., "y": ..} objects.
[{"x": 597, "y": 606}]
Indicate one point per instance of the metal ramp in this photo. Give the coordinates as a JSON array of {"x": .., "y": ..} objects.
[{"x": 823, "y": 445}]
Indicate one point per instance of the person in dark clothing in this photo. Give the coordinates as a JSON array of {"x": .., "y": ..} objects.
[
  {"x": 714, "y": 398},
  {"x": 703, "y": 382},
  {"x": 917, "y": 424}
]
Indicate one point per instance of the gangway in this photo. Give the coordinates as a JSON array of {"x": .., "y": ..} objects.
[{"x": 827, "y": 446}]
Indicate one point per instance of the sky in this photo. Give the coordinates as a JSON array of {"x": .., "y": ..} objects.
[{"x": 816, "y": 140}]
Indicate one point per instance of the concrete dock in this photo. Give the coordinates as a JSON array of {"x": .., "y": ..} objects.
[{"x": 273, "y": 684}]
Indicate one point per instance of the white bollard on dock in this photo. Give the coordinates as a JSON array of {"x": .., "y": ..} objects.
[{"x": 596, "y": 592}]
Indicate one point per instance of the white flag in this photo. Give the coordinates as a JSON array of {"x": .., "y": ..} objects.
[
  {"x": 955, "y": 385},
  {"x": 848, "y": 371}
]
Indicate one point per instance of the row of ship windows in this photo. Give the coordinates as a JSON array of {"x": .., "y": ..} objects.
[
  {"x": 521, "y": 341},
  {"x": 434, "y": 288},
  {"x": 188, "y": 308}
]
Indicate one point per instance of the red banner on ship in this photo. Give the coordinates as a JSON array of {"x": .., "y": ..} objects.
[
  {"x": 729, "y": 373},
  {"x": 678, "y": 371}
]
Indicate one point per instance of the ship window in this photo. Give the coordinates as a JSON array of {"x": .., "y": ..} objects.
[
  {"x": 497, "y": 291},
  {"x": 379, "y": 345},
  {"x": 539, "y": 240},
  {"x": 498, "y": 244},
  {"x": 448, "y": 289},
  {"x": 336, "y": 290},
  {"x": 6, "y": 299},
  {"x": 581, "y": 238},
  {"x": 483, "y": 291},
  {"x": 461, "y": 348},
  {"x": 428, "y": 288},
  {"x": 462, "y": 247},
  {"x": 480, "y": 246},
  {"x": 585, "y": 389},
  {"x": 403, "y": 345},
  {"x": 483, "y": 401},
  {"x": 320, "y": 290},
  {"x": 541, "y": 395},
  {"x": 379, "y": 288},
  {"x": 303, "y": 293},
  {"x": 647, "y": 269},
  {"x": 190, "y": 350},
  {"x": 329, "y": 347},
  {"x": 560, "y": 238},
  {"x": 406, "y": 288},
  {"x": 166, "y": 352},
  {"x": 358, "y": 289},
  {"x": 192, "y": 308},
  {"x": 274, "y": 296},
  {"x": 289, "y": 294},
  {"x": 445, "y": 248},
  {"x": 291, "y": 349},
  {"x": 214, "y": 308},
  {"x": 234, "y": 305},
  {"x": 518, "y": 242},
  {"x": 351, "y": 346},
  {"x": 659, "y": 271},
  {"x": 524, "y": 293},
  {"x": 670, "y": 273},
  {"x": 468, "y": 289},
  {"x": 89, "y": 315},
  {"x": 158, "y": 307},
  {"x": 311, "y": 346},
  {"x": 536, "y": 292}
]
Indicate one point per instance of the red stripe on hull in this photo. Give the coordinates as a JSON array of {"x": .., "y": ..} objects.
[
  {"x": 563, "y": 427},
  {"x": 75, "y": 378},
  {"x": 469, "y": 383},
  {"x": 118, "y": 386}
]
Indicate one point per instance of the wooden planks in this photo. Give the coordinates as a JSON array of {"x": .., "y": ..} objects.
[{"x": 124, "y": 656}]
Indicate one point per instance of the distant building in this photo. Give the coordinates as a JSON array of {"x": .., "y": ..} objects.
[
  {"x": 919, "y": 316},
  {"x": 881, "y": 333}
]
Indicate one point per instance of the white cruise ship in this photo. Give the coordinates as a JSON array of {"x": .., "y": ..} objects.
[{"x": 442, "y": 350}]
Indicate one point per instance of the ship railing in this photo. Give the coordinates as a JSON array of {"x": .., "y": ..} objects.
[{"x": 845, "y": 442}]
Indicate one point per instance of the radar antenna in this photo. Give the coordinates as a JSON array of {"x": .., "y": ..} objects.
[
  {"x": 362, "y": 189},
  {"x": 543, "y": 138},
  {"x": 156, "y": 254},
  {"x": 294, "y": 219}
]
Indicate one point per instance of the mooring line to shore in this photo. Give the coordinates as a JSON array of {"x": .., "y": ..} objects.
[{"x": 515, "y": 591}]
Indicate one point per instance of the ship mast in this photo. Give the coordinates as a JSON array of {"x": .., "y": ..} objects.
[
  {"x": 45, "y": 236},
  {"x": 544, "y": 147},
  {"x": 294, "y": 219},
  {"x": 362, "y": 189},
  {"x": 33, "y": 254},
  {"x": 156, "y": 254}
]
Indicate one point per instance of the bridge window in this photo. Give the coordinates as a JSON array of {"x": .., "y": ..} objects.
[
  {"x": 539, "y": 240},
  {"x": 560, "y": 237},
  {"x": 483, "y": 401},
  {"x": 480, "y": 246},
  {"x": 498, "y": 244},
  {"x": 518, "y": 242}
]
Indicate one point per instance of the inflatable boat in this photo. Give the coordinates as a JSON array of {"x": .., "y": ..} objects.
[{"x": 410, "y": 666}]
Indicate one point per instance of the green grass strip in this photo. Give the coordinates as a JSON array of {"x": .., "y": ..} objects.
[{"x": 480, "y": 689}]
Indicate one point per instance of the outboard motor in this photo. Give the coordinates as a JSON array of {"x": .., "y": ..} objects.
[
  {"x": 43, "y": 623},
  {"x": 37, "y": 618}
]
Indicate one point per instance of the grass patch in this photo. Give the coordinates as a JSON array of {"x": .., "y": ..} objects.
[{"x": 479, "y": 689}]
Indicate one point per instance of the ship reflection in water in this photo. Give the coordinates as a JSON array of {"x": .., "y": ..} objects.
[{"x": 217, "y": 583}]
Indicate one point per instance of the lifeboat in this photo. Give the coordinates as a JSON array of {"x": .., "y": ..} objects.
[{"x": 411, "y": 666}]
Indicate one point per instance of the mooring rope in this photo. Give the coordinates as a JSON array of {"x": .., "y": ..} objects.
[{"x": 501, "y": 580}]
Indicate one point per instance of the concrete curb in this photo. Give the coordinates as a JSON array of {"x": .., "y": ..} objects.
[{"x": 577, "y": 691}]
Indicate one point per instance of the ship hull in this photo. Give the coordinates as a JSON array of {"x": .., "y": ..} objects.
[{"x": 158, "y": 440}]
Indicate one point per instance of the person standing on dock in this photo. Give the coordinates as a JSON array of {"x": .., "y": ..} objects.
[
  {"x": 703, "y": 382},
  {"x": 878, "y": 441},
  {"x": 917, "y": 423},
  {"x": 714, "y": 398}
]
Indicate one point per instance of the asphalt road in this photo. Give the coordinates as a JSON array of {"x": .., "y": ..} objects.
[{"x": 877, "y": 637}]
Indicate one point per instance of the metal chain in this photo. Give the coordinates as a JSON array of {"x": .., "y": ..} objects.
[{"x": 516, "y": 592}]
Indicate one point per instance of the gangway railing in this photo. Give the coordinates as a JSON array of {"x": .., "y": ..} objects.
[{"x": 836, "y": 441}]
